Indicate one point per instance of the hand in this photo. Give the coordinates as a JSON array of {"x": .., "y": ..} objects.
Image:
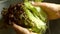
[
  {"x": 21, "y": 30},
  {"x": 51, "y": 9}
]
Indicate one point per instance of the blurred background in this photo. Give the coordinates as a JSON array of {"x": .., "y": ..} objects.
[
  {"x": 54, "y": 25},
  {"x": 53, "y": 1}
]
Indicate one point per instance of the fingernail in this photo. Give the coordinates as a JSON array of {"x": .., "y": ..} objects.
[{"x": 32, "y": 2}]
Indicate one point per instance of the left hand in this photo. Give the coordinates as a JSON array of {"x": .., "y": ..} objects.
[{"x": 21, "y": 30}]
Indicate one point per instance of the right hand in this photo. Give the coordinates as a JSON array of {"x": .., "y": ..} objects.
[{"x": 52, "y": 10}]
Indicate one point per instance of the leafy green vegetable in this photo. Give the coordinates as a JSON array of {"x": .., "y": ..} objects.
[
  {"x": 26, "y": 15},
  {"x": 37, "y": 16}
]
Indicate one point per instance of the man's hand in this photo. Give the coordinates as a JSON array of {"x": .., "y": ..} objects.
[
  {"x": 52, "y": 10},
  {"x": 21, "y": 30}
]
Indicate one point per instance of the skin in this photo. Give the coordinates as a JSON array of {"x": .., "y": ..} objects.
[{"x": 52, "y": 10}]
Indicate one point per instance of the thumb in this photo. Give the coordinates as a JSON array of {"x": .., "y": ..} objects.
[
  {"x": 19, "y": 29},
  {"x": 46, "y": 6}
]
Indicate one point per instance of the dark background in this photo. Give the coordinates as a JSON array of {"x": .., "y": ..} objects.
[{"x": 53, "y": 1}]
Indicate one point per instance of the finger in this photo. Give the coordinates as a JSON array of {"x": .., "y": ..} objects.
[
  {"x": 20, "y": 29},
  {"x": 38, "y": 3}
]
